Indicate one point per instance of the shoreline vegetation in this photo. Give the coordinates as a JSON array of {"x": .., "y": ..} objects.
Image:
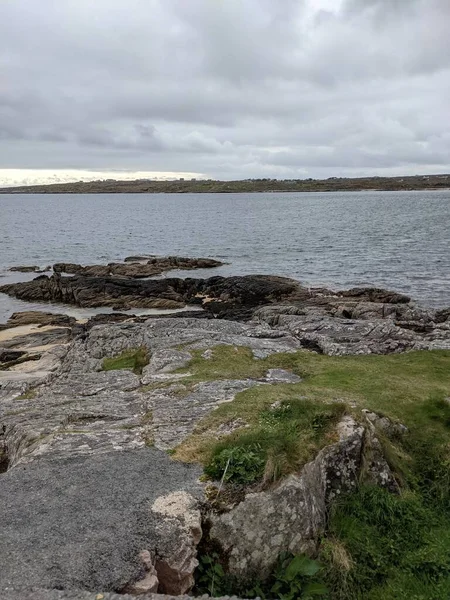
[
  {"x": 199, "y": 186},
  {"x": 280, "y": 442}
]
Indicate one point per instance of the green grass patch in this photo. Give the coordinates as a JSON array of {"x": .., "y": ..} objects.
[
  {"x": 134, "y": 359},
  {"x": 379, "y": 546},
  {"x": 283, "y": 440},
  {"x": 396, "y": 547},
  {"x": 409, "y": 388},
  {"x": 28, "y": 395}
]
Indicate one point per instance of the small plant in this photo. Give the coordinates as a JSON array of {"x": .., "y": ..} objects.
[
  {"x": 296, "y": 578},
  {"x": 239, "y": 465},
  {"x": 28, "y": 395},
  {"x": 282, "y": 441},
  {"x": 210, "y": 576},
  {"x": 293, "y": 578},
  {"x": 134, "y": 359}
]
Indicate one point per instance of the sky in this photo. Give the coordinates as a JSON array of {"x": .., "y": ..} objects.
[{"x": 223, "y": 89}]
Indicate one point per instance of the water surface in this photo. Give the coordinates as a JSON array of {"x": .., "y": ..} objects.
[{"x": 397, "y": 240}]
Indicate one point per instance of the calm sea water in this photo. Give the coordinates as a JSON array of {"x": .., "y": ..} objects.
[{"x": 398, "y": 240}]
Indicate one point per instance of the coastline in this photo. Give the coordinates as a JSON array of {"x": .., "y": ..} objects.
[{"x": 266, "y": 186}]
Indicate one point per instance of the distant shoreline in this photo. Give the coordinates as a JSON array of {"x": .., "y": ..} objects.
[{"x": 209, "y": 186}]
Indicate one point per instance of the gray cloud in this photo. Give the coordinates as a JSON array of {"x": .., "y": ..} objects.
[{"x": 225, "y": 87}]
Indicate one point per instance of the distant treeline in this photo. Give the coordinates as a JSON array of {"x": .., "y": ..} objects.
[{"x": 198, "y": 186}]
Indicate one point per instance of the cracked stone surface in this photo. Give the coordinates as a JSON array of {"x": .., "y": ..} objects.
[
  {"x": 87, "y": 504},
  {"x": 82, "y": 522}
]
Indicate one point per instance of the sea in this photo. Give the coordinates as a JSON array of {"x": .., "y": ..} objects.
[{"x": 394, "y": 240}]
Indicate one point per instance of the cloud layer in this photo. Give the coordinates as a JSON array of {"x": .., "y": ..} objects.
[{"x": 226, "y": 88}]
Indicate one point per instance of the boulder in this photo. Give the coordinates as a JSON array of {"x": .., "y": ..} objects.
[{"x": 291, "y": 517}]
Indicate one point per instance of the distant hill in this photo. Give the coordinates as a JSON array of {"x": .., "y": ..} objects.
[{"x": 333, "y": 184}]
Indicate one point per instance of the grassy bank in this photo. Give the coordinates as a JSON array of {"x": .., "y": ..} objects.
[{"x": 378, "y": 546}]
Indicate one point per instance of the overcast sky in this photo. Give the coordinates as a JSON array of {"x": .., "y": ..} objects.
[{"x": 223, "y": 88}]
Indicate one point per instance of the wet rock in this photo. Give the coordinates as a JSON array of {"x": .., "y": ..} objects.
[
  {"x": 376, "y": 295},
  {"x": 136, "y": 267},
  {"x": 10, "y": 356},
  {"x": 29, "y": 269},
  {"x": 251, "y": 290}
]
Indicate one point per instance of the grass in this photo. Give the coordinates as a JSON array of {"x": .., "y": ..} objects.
[
  {"x": 28, "y": 395},
  {"x": 378, "y": 546},
  {"x": 282, "y": 441},
  {"x": 134, "y": 359},
  {"x": 395, "y": 547},
  {"x": 409, "y": 388}
]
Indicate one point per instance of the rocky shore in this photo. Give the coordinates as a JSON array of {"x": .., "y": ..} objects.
[{"x": 105, "y": 425}]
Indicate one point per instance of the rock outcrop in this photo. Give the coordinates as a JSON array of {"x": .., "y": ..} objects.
[
  {"x": 90, "y": 498},
  {"x": 86, "y": 503},
  {"x": 29, "y": 269},
  {"x": 137, "y": 266},
  {"x": 291, "y": 517},
  {"x": 357, "y": 321},
  {"x": 251, "y": 290}
]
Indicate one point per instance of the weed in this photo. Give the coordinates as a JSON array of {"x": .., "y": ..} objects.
[
  {"x": 293, "y": 578},
  {"x": 28, "y": 395},
  {"x": 281, "y": 442},
  {"x": 387, "y": 539},
  {"x": 240, "y": 464},
  {"x": 134, "y": 359}
]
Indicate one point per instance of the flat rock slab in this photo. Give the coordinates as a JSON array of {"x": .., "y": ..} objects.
[{"x": 81, "y": 523}]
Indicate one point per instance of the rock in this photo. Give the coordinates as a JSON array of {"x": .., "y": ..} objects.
[
  {"x": 29, "y": 269},
  {"x": 165, "y": 361},
  {"x": 318, "y": 329},
  {"x": 251, "y": 290},
  {"x": 175, "y": 415},
  {"x": 139, "y": 258},
  {"x": 150, "y": 581},
  {"x": 40, "y": 594},
  {"x": 230, "y": 427},
  {"x": 139, "y": 267},
  {"x": 291, "y": 517},
  {"x": 79, "y": 465},
  {"x": 384, "y": 424},
  {"x": 84, "y": 522},
  {"x": 376, "y": 295},
  {"x": 36, "y": 317},
  {"x": 357, "y": 321},
  {"x": 181, "y": 526},
  {"x": 9, "y": 356},
  {"x": 32, "y": 353},
  {"x": 281, "y": 376}
]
